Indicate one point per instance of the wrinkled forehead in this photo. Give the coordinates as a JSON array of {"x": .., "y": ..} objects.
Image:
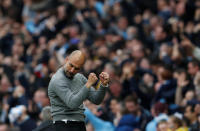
[{"x": 77, "y": 62}]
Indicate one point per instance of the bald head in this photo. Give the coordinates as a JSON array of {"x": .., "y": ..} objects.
[
  {"x": 77, "y": 56},
  {"x": 74, "y": 63}
]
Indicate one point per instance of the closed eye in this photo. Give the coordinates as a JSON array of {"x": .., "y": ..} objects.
[{"x": 76, "y": 68}]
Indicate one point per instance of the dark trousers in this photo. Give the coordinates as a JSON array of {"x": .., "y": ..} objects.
[{"x": 69, "y": 126}]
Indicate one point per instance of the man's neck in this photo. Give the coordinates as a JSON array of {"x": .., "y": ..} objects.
[{"x": 192, "y": 121}]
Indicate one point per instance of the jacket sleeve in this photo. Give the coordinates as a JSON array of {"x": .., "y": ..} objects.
[
  {"x": 96, "y": 96},
  {"x": 71, "y": 99}
]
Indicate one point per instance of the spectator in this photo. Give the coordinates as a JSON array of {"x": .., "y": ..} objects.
[
  {"x": 18, "y": 115},
  {"x": 190, "y": 114},
  {"x": 176, "y": 124},
  {"x": 193, "y": 68},
  {"x": 162, "y": 125},
  {"x": 196, "y": 126},
  {"x": 40, "y": 100},
  {"x": 183, "y": 86},
  {"x": 115, "y": 107},
  {"x": 167, "y": 88},
  {"x": 134, "y": 116},
  {"x": 98, "y": 124},
  {"x": 159, "y": 112},
  {"x": 46, "y": 118}
]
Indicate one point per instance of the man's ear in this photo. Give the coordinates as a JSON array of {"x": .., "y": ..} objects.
[{"x": 66, "y": 59}]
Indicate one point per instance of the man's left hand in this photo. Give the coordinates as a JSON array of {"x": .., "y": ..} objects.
[{"x": 104, "y": 78}]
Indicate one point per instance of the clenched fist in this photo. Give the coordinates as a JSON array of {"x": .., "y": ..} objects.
[
  {"x": 92, "y": 78},
  {"x": 104, "y": 78}
]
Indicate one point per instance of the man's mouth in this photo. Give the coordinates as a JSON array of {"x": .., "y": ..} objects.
[{"x": 70, "y": 75}]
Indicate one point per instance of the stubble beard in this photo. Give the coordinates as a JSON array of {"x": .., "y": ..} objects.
[{"x": 67, "y": 73}]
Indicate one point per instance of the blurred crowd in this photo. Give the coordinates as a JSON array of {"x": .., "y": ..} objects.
[{"x": 150, "y": 48}]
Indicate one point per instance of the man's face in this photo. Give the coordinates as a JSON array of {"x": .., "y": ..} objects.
[
  {"x": 192, "y": 69},
  {"x": 131, "y": 106},
  {"x": 197, "y": 109},
  {"x": 114, "y": 105},
  {"x": 162, "y": 127},
  {"x": 72, "y": 67},
  {"x": 158, "y": 33},
  {"x": 171, "y": 124},
  {"x": 188, "y": 113}
]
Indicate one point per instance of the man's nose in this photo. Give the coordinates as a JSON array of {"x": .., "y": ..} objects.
[{"x": 72, "y": 70}]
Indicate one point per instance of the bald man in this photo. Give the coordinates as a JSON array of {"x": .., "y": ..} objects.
[{"x": 68, "y": 89}]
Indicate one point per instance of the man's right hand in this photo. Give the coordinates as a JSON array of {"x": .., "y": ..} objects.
[{"x": 92, "y": 78}]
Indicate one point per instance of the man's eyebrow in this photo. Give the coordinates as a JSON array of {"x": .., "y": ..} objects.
[{"x": 74, "y": 66}]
